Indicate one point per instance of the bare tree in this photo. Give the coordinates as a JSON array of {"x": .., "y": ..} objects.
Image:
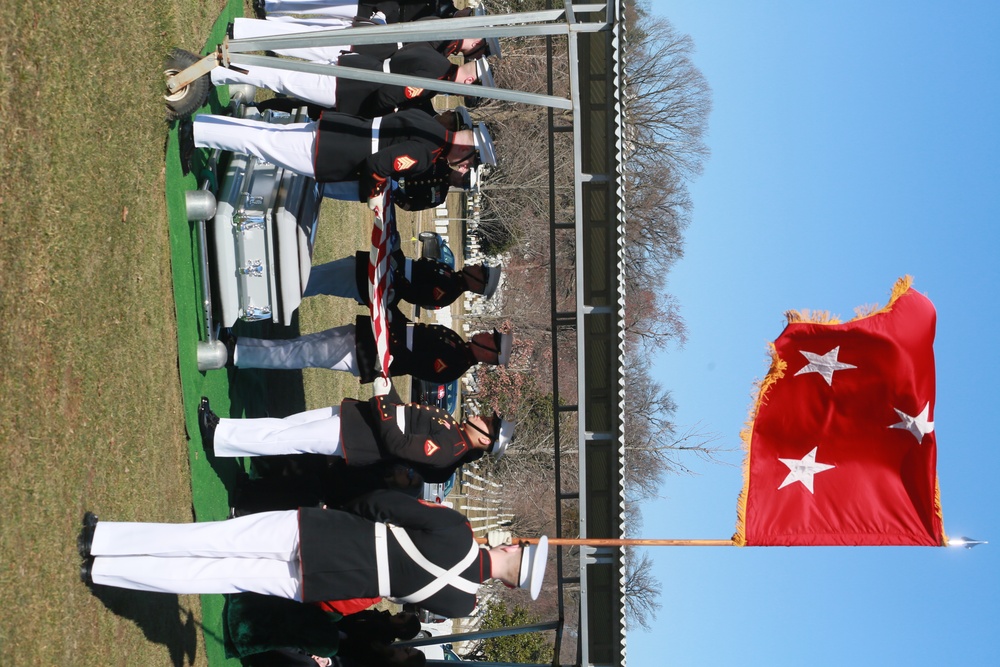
[
  {"x": 653, "y": 445},
  {"x": 658, "y": 213},
  {"x": 667, "y": 99},
  {"x": 652, "y": 318},
  {"x": 642, "y": 588},
  {"x": 666, "y": 105}
]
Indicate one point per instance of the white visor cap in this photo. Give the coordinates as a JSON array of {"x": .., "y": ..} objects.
[
  {"x": 533, "y": 557},
  {"x": 504, "y": 437},
  {"x": 484, "y": 144}
]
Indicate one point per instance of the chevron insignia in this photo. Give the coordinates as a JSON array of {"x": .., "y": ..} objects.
[
  {"x": 412, "y": 91},
  {"x": 438, "y": 293},
  {"x": 404, "y": 162},
  {"x": 439, "y": 365},
  {"x": 430, "y": 447}
]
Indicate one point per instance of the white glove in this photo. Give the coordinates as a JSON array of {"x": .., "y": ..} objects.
[
  {"x": 499, "y": 538},
  {"x": 382, "y": 386}
]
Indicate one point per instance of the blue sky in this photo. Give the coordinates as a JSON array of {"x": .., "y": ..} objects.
[{"x": 852, "y": 143}]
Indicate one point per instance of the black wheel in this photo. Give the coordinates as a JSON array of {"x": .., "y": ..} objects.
[{"x": 182, "y": 103}]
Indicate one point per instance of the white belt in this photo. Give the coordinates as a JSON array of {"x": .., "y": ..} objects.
[
  {"x": 401, "y": 418},
  {"x": 409, "y": 336},
  {"x": 441, "y": 576},
  {"x": 385, "y": 67},
  {"x": 408, "y": 270},
  {"x": 376, "y": 124},
  {"x": 382, "y": 559}
]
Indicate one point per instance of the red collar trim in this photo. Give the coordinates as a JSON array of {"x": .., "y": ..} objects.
[{"x": 485, "y": 565}]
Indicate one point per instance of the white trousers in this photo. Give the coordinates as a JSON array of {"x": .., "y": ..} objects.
[
  {"x": 333, "y": 349},
  {"x": 336, "y": 278},
  {"x": 311, "y": 432},
  {"x": 344, "y": 9},
  {"x": 290, "y": 146},
  {"x": 256, "y": 553},
  {"x": 246, "y": 28},
  {"x": 319, "y": 89}
]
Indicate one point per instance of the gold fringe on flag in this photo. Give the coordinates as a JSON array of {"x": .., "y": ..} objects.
[
  {"x": 774, "y": 373},
  {"x": 777, "y": 371},
  {"x": 939, "y": 511},
  {"x": 898, "y": 290},
  {"x": 806, "y": 316}
]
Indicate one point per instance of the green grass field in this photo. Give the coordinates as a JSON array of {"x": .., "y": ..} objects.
[{"x": 97, "y": 390}]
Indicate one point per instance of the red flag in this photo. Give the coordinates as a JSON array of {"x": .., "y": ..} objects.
[
  {"x": 841, "y": 445},
  {"x": 378, "y": 282}
]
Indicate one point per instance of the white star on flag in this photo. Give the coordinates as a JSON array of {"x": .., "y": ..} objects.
[
  {"x": 919, "y": 426},
  {"x": 803, "y": 470},
  {"x": 825, "y": 364}
]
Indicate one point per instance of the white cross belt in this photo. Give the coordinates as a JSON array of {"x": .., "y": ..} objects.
[
  {"x": 382, "y": 559},
  {"x": 376, "y": 124},
  {"x": 401, "y": 418},
  {"x": 441, "y": 576}
]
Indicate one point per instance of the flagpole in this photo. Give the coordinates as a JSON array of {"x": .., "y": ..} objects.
[
  {"x": 621, "y": 542},
  {"x": 966, "y": 542}
]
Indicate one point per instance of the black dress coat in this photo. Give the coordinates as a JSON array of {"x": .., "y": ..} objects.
[
  {"x": 409, "y": 142},
  {"x": 404, "y": 11},
  {"x": 369, "y": 99},
  {"x": 429, "y": 440},
  {"x": 337, "y": 551},
  {"x": 421, "y": 192},
  {"x": 439, "y": 354},
  {"x": 432, "y": 284},
  {"x": 448, "y": 47}
]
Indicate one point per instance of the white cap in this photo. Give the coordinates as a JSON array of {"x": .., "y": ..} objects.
[
  {"x": 484, "y": 144},
  {"x": 504, "y": 343},
  {"x": 505, "y": 435},
  {"x": 482, "y": 140},
  {"x": 533, "y": 557},
  {"x": 484, "y": 73}
]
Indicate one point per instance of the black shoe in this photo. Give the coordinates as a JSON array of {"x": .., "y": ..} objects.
[
  {"x": 85, "y": 541},
  {"x": 87, "y": 571},
  {"x": 86, "y": 538},
  {"x": 185, "y": 139},
  {"x": 258, "y": 9},
  {"x": 229, "y": 30},
  {"x": 207, "y": 421}
]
